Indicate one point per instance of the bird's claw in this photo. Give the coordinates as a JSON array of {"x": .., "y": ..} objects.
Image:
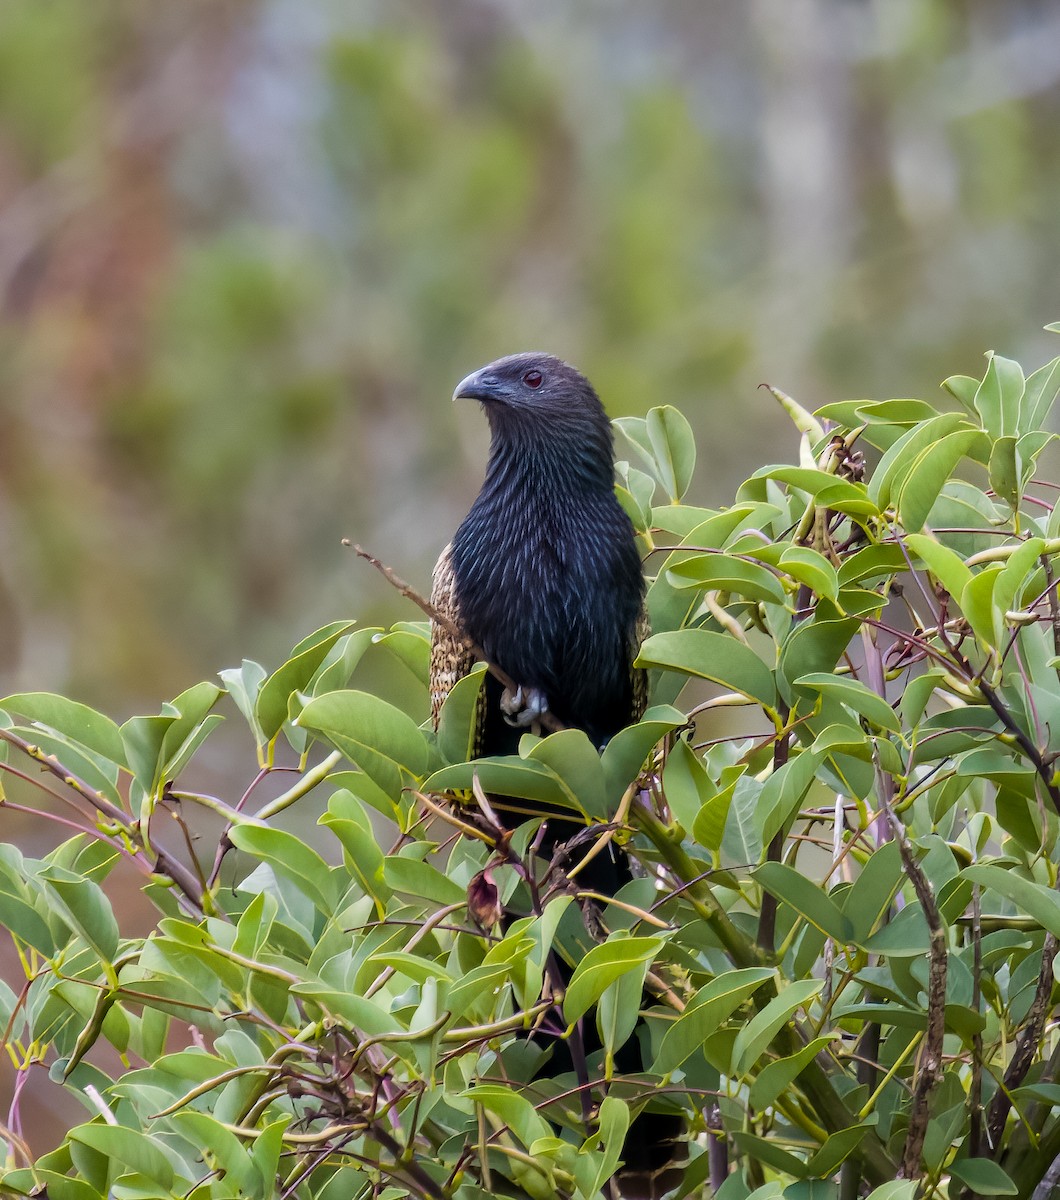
[{"x": 525, "y": 707}]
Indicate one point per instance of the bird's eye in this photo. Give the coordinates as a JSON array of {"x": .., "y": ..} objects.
[{"x": 533, "y": 379}]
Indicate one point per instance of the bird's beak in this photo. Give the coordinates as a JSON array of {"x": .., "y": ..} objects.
[{"x": 479, "y": 385}]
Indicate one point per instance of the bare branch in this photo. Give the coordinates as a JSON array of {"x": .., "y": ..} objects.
[{"x": 928, "y": 1071}]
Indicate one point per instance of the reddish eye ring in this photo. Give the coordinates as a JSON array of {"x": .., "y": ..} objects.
[{"x": 533, "y": 379}]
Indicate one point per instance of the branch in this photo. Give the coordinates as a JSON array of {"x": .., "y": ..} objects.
[
  {"x": 767, "y": 919},
  {"x": 929, "y": 1061},
  {"x": 1027, "y": 1044},
  {"x": 165, "y": 863},
  {"x": 1045, "y": 773}
]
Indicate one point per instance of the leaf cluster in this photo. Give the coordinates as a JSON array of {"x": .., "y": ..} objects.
[{"x": 838, "y": 954}]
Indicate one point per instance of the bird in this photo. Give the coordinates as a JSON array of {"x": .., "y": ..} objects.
[{"x": 543, "y": 580}]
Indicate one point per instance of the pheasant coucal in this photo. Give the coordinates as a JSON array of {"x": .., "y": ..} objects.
[{"x": 544, "y": 576}]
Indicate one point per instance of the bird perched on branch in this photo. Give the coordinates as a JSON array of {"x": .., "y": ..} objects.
[
  {"x": 543, "y": 576},
  {"x": 544, "y": 579}
]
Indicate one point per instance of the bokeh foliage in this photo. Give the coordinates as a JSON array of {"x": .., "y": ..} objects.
[
  {"x": 247, "y": 248},
  {"x": 847, "y": 923}
]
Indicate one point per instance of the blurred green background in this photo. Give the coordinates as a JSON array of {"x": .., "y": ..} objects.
[{"x": 247, "y": 248}]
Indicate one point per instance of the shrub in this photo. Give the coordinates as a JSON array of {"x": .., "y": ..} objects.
[{"x": 846, "y": 920}]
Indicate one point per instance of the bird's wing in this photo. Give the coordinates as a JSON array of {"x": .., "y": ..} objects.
[
  {"x": 451, "y": 658},
  {"x": 640, "y": 677}
]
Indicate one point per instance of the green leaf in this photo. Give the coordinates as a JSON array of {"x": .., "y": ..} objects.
[
  {"x": 873, "y": 562},
  {"x": 77, "y": 722},
  {"x": 930, "y": 471},
  {"x": 382, "y": 740},
  {"x": 984, "y": 1176},
  {"x": 618, "y": 1007},
  {"x": 977, "y": 603},
  {"x": 222, "y": 1151},
  {"x": 775, "y": 1077},
  {"x": 1009, "y": 585},
  {"x": 85, "y": 908},
  {"x": 708, "y": 1010},
  {"x": 129, "y": 1147},
  {"x": 601, "y": 966},
  {"x": 290, "y": 857},
  {"x": 808, "y": 566},
  {"x": 1028, "y": 448},
  {"x": 479, "y": 983},
  {"x": 421, "y": 880},
  {"x": 783, "y": 791},
  {"x": 753, "y": 1038},
  {"x": 764, "y": 1150},
  {"x": 244, "y": 684},
  {"x": 635, "y": 431},
  {"x": 813, "y": 646},
  {"x": 1005, "y": 471},
  {"x": 51, "y": 1185},
  {"x": 895, "y": 1189},
  {"x": 189, "y": 726},
  {"x": 626, "y": 752},
  {"x": 962, "y": 388},
  {"x": 342, "y": 659},
  {"x": 855, "y": 695},
  {"x": 513, "y": 1109},
  {"x": 741, "y": 842},
  {"x": 836, "y": 1148},
  {"x": 294, "y": 676},
  {"x": 576, "y": 761},
  {"x": 686, "y": 784},
  {"x": 612, "y": 1124},
  {"x": 636, "y": 495},
  {"x": 458, "y": 722},
  {"x": 1038, "y": 398},
  {"x": 349, "y": 822},
  {"x": 998, "y": 398},
  {"x": 708, "y": 826},
  {"x": 866, "y": 902},
  {"x": 722, "y": 572},
  {"x": 673, "y": 448},
  {"x": 266, "y": 1150},
  {"x": 142, "y": 738},
  {"x": 809, "y": 900},
  {"x": 714, "y": 656},
  {"x": 1034, "y": 899},
  {"x": 419, "y": 970},
  {"x": 827, "y": 491},
  {"x": 357, "y": 1011},
  {"x": 22, "y": 920},
  {"x": 947, "y": 567},
  {"x": 520, "y": 778},
  {"x": 411, "y": 646},
  {"x": 900, "y": 458}
]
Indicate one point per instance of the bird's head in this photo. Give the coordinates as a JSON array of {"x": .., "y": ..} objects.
[{"x": 530, "y": 397}]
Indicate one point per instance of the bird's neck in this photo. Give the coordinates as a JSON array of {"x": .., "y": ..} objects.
[{"x": 559, "y": 464}]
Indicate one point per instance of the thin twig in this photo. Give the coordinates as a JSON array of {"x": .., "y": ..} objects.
[
  {"x": 929, "y": 1060},
  {"x": 767, "y": 918},
  {"x": 165, "y": 863},
  {"x": 1027, "y": 1045}
]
